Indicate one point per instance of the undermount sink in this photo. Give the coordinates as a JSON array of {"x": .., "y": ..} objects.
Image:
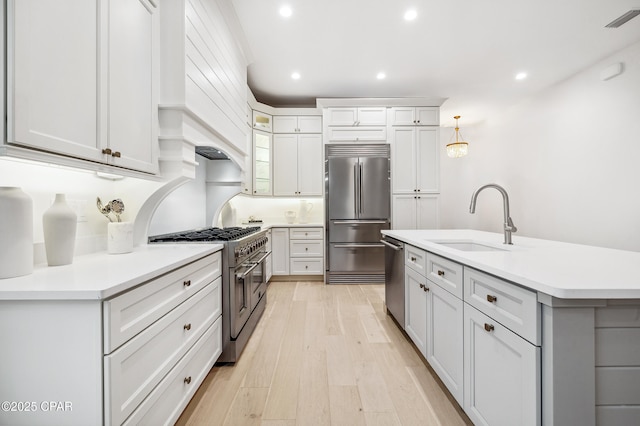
[{"x": 468, "y": 246}]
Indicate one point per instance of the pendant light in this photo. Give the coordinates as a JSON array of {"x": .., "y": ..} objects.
[{"x": 458, "y": 148}]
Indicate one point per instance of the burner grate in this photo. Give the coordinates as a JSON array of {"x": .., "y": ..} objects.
[{"x": 206, "y": 234}]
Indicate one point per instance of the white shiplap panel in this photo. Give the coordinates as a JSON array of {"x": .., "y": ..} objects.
[
  {"x": 618, "y": 316},
  {"x": 617, "y": 385},
  {"x": 617, "y": 347},
  {"x": 618, "y": 415}
]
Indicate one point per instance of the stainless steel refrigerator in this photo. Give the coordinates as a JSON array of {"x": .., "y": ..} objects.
[{"x": 357, "y": 195}]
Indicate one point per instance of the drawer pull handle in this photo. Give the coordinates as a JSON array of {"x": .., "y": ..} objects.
[
  {"x": 187, "y": 283},
  {"x": 426, "y": 288},
  {"x": 413, "y": 259},
  {"x": 491, "y": 298},
  {"x": 440, "y": 273},
  {"x": 187, "y": 380},
  {"x": 306, "y": 266},
  {"x": 106, "y": 151},
  {"x": 306, "y": 249},
  {"x": 187, "y": 327},
  {"x": 421, "y": 285},
  {"x": 116, "y": 154},
  {"x": 488, "y": 327}
]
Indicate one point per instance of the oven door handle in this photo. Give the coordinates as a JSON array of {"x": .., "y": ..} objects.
[
  {"x": 248, "y": 271},
  {"x": 358, "y": 245}
]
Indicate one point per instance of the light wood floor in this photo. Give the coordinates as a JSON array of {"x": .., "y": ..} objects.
[{"x": 324, "y": 355}]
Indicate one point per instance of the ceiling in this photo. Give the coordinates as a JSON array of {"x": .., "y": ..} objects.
[{"x": 466, "y": 52}]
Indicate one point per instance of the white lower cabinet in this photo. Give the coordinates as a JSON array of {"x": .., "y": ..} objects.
[
  {"x": 502, "y": 373},
  {"x": 298, "y": 251},
  {"x": 445, "y": 338},
  {"x": 415, "y": 310}
]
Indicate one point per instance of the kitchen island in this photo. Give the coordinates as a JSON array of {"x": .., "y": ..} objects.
[
  {"x": 110, "y": 339},
  {"x": 538, "y": 332}
]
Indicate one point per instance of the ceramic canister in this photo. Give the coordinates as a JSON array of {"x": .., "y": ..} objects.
[
  {"x": 59, "y": 225},
  {"x": 16, "y": 232}
]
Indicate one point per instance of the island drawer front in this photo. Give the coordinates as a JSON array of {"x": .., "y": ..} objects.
[
  {"x": 511, "y": 305},
  {"x": 306, "y": 266},
  {"x": 303, "y": 248},
  {"x": 132, "y": 371},
  {"x": 446, "y": 273},
  {"x": 165, "y": 404},
  {"x": 415, "y": 259},
  {"x": 306, "y": 233},
  {"x": 130, "y": 313}
]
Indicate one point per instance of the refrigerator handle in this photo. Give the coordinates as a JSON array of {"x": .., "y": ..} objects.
[
  {"x": 356, "y": 187},
  {"x": 360, "y": 182}
]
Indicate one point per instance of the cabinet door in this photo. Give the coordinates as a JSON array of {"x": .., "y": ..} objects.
[
  {"x": 52, "y": 76},
  {"x": 285, "y": 124},
  {"x": 416, "y": 308},
  {"x": 280, "y": 250},
  {"x": 342, "y": 116},
  {"x": 310, "y": 124},
  {"x": 372, "y": 116},
  {"x": 404, "y": 212},
  {"x": 132, "y": 84},
  {"x": 285, "y": 165},
  {"x": 404, "y": 160},
  {"x": 403, "y": 116},
  {"x": 427, "y": 160},
  {"x": 427, "y": 116},
  {"x": 262, "y": 121},
  {"x": 261, "y": 163},
  {"x": 310, "y": 165},
  {"x": 445, "y": 337},
  {"x": 426, "y": 212},
  {"x": 501, "y": 373}
]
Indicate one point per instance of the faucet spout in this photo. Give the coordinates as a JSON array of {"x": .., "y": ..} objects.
[{"x": 509, "y": 227}]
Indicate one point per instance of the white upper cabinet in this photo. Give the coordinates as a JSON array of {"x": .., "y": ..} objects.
[
  {"x": 82, "y": 80},
  {"x": 297, "y": 124},
  {"x": 297, "y": 165},
  {"x": 363, "y": 116},
  {"x": 415, "y": 116},
  {"x": 415, "y": 160},
  {"x": 262, "y": 121},
  {"x": 262, "y": 160}
]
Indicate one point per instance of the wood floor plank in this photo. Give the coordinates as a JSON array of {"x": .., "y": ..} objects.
[
  {"x": 340, "y": 369},
  {"x": 247, "y": 407},
  {"x": 383, "y": 419},
  {"x": 374, "y": 394},
  {"x": 346, "y": 408},
  {"x": 313, "y": 393}
]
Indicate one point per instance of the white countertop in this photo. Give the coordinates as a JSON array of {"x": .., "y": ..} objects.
[
  {"x": 99, "y": 276},
  {"x": 563, "y": 270}
]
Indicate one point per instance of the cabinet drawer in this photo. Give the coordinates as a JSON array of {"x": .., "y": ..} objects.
[
  {"x": 167, "y": 401},
  {"x": 415, "y": 259},
  {"x": 306, "y": 233},
  {"x": 357, "y": 134},
  {"x": 130, "y": 313},
  {"x": 513, "y": 306},
  {"x": 132, "y": 371},
  {"x": 445, "y": 273},
  {"x": 301, "y": 248},
  {"x": 304, "y": 266}
]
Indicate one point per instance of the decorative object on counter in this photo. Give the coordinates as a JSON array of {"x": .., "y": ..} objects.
[
  {"x": 290, "y": 216},
  {"x": 305, "y": 208},
  {"x": 458, "y": 148},
  {"x": 59, "y": 225},
  {"x": 105, "y": 210},
  {"x": 119, "y": 237},
  {"x": 114, "y": 206},
  {"x": 16, "y": 232}
]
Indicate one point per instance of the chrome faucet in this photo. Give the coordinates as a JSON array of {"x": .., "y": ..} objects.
[{"x": 509, "y": 227}]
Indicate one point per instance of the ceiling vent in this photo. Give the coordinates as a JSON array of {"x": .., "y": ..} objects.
[{"x": 623, "y": 19}]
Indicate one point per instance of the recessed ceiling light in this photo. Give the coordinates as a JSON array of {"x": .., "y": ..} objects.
[
  {"x": 295, "y": 76},
  {"x": 285, "y": 11},
  {"x": 381, "y": 76},
  {"x": 410, "y": 15},
  {"x": 521, "y": 76}
]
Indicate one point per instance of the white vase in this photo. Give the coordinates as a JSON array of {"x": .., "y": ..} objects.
[
  {"x": 59, "y": 226},
  {"x": 16, "y": 232},
  {"x": 119, "y": 237}
]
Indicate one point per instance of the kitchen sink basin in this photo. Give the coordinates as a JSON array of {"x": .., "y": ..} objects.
[{"x": 465, "y": 245}]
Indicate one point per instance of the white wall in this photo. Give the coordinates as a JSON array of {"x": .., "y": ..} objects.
[
  {"x": 271, "y": 209},
  {"x": 568, "y": 157}
]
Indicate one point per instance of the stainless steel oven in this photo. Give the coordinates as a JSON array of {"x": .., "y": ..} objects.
[{"x": 249, "y": 285}]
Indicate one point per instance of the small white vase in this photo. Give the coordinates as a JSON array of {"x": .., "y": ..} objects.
[
  {"x": 59, "y": 226},
  {"x": 119, "y": 237},
  {"x": 16, "y": 232}
]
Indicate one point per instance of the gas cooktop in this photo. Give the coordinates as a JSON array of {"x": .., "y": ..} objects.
[{"x": 205, "y": 234}]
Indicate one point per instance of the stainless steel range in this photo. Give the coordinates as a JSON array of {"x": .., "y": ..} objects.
[{"x": 243, "y": 280}]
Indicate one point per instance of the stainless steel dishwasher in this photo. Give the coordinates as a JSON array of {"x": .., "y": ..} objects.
[{"x": 394, "y": 278}]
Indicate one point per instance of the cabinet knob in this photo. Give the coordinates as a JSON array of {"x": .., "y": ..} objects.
[
  {"x": 426, "y": 288},
  {"x": 421, "y": 285},
  {"x": 491, "y": 298},
  {"x": 187, "y": 380},
  {"x": 440, "y": 273},
  {"x": 106, "y": 151},
  {"x": 306, "y": 266},
  {"x": 116, "y": 154},
  {"x": 413, "y": 259},
  {"x": 187, "y": 283},
  {"x": 187, "y": 327},
  {"x": 418, "y": 121},
  {"x": 488, "y": 327},
  {"x": 306, "y": 249}
]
